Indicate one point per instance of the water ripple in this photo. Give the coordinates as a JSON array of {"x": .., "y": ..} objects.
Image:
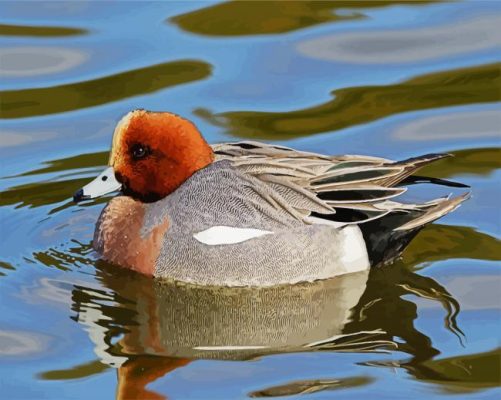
[
  {"x": 39, "y": 31},
  {"x": 242, "y": 18},
  {"x": 78, "y": 95},
  {"x": 358, "y": 105}
]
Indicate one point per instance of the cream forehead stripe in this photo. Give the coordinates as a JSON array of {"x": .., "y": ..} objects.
[{"x": 121, "y": 127}]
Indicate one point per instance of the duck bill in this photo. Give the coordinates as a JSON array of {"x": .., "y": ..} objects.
[{"x": 103, "y": 184}]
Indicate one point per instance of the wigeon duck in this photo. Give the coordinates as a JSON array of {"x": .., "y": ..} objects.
[{"x": 249, "y": 213}]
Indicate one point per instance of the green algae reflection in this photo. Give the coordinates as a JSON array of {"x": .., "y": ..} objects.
[
  {"x": 242, "y": 18},
  {"x": 481, "y": 161},
  {"x": 77, "y": 372},
  {"x": 56, "y": 189},
  {"x": 87, "y": 160},
  {"x": 462, "y": 374},
  {"x": 358, "y": 105},
  {"x": 438, "y": 242},
  {"x": 39, "y": 31},
  {"x": 78, "y": 95}
]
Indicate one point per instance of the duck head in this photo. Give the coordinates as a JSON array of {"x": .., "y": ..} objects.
[{"x": 152, "y": 154}]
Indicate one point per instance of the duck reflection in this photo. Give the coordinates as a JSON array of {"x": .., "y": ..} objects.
[
  {"x": 147, "y": 328},
  {"x": 177, "y": 320}
]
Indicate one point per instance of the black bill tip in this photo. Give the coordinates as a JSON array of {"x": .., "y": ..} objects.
[{"x": 79, "y": 196}]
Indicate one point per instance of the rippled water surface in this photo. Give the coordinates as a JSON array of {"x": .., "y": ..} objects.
[{"x": 392, "y": 79}]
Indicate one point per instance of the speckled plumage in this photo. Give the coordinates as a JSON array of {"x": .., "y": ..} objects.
[
  {"x": 294, "y": 252},
  {"x": 276, "y": 189}
]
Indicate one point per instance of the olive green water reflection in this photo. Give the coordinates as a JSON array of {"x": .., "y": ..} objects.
[
  {"x": 358, "y": 105},
  {"x": 469, "y": 161},
  {"x": 70, "y": 163},
  {"x": 462, "y": 373},
  {"x": 437, "y": 242},
  {"x": 39, "y": 31},
  {"x": 241, "y": 18},
  {"x": 78, "y": 95},
  {"x": 79, "y": 371}
]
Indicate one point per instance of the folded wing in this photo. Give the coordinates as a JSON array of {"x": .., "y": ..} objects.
[{"x": 348, "y": 189}]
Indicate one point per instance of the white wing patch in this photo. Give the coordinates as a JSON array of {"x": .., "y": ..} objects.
[{"x": 228, "y": 235}]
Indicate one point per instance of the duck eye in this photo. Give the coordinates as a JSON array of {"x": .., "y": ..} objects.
[{"x": 139, "y": 151}]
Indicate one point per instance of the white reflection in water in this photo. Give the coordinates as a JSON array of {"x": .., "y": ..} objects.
[
  {"x": 12, "y": 139},
  {"x": 463, "y": 125},
  {"x": 472, "y": 292},
  {"x": 19, "y": 343},
  {"x": 407, "y": 45},
  {"x": 55, "y": 291},
  {"x": 32, "y": 61}
]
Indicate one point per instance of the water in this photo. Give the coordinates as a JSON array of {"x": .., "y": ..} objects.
[{"x": 392, "y": 80}]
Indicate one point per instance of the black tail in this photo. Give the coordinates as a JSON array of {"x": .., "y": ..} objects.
[
  {"x": 416, "y": 179},
  {"x": 384, "y": 244}
]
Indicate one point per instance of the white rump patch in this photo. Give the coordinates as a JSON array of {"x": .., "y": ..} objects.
[
  {"x": 353, "y": 250},
  {"x": 228, "y": 235}
]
